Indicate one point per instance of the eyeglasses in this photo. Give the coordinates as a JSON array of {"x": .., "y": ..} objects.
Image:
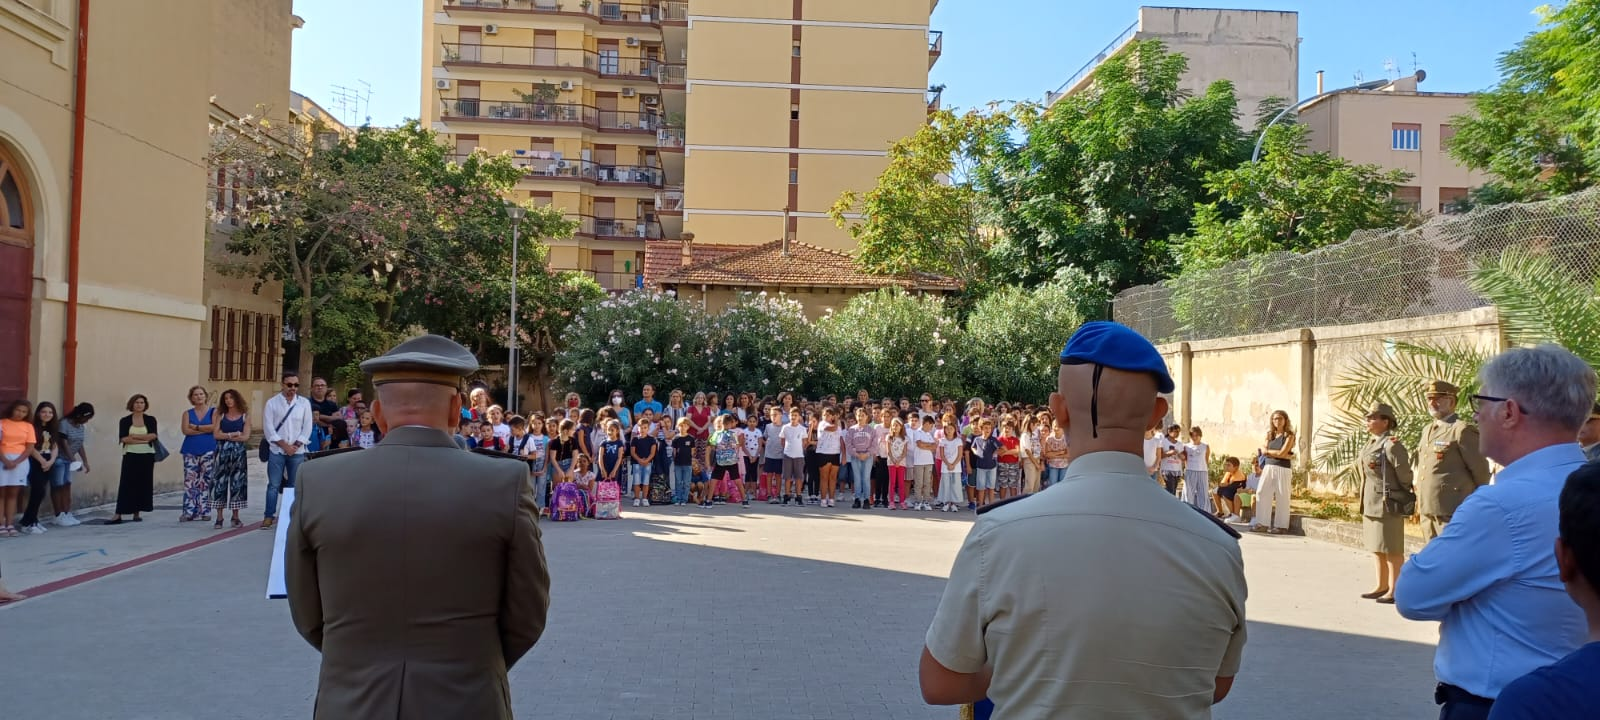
[
  {"x": 291, "y": 385},
  {"x": 1477, "y": 400}
]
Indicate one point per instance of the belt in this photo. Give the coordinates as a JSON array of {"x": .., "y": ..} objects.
[{"x": 1447, "y": 693}]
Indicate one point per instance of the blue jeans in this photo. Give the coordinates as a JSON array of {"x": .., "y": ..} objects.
[
  {"x": 861, "y": 474},
  {"x": 1054, "y": 475},
  {"x": 983, "y": 478},
  {"x": 541, "y": 485},
  {"x": 277, "y": 463},
  {"x": 640, "y": 475},
  {"x": 680, "y": 482}
]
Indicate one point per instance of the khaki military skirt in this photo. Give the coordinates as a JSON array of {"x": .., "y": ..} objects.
[{"x": 1385, "y": 535}]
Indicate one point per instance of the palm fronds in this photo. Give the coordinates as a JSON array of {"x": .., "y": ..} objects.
[{"x": 1541, "y": 302}]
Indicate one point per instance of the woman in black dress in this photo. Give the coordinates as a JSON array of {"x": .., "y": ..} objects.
[{"x": 136, "y": 489}]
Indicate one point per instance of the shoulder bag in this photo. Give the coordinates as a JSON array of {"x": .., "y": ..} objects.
[{"x": 263, "y": 450}]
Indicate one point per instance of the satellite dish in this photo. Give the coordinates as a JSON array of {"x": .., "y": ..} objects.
[{"x": 1422, "y": 75}]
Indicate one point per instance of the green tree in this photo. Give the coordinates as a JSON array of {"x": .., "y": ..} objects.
[
  {"x": 1538, "y": 131},
  {"x": 763, "y": 343},
  {"x": 1539, "y": 301},
  {"x": 926, "y": 214},
  {"x": 1013, "y": 340},
  {"x": 1292, "y": 200},
  {"x": 632, "y": 339},
  {"x": 1105, "y": 177},
  {"x": 893, "y": 343}
]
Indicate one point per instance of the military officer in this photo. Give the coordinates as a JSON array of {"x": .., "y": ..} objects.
[
  {"x": 414, "y": 567},
  {"x": 1448, "y": 463},
  {"x": 1387, "y": 499}
]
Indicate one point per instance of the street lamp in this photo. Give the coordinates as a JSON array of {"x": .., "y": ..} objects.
[
  {"x": 516, "y": 213},
  {"x": 1372, "y": 85}
]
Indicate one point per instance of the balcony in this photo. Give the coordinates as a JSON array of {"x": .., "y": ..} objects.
[
  {"x": 1083, "y": 73},
  {"x": 670, "y": 201},
  {"x": 615, "y": 228},
  {"x": 548, "y": 113},
  {"x": 935, "y": 46},
  {"x": 669, "y": 138},
  {"x": 612, "y": 281},
  {"x": 673, "y": 74},
  {"x": 674, "y": 12},
  {"x": 607, "y": 13},
  {"x": 547, "y": 165},
  {"x": 935, "y": 98},
  {"x": 588, "y": 62}
]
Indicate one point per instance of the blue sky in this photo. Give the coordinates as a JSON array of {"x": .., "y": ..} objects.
[{"x": 993, "y": 49}]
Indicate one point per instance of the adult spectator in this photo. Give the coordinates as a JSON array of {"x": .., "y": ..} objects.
[
  {"x": 927, "y": 408},
  {"x": 1490, "y": 577},
  {"x": 1568, "y": 689},
  {"x": 1387, "y": 499},
  {"x": 286, "y": 423},
  {"x": 471, "y": 570},
  {"x": 326, "y": 409},
  {"x": 1589, "y": 435},
  {"x": 136, "y": 487},
  {"x": 648, "y": 401},
  {"x": 355, "y": 404},
  {"x": 199, "y": 453},
  {"x": 1272, "y": 503},
  {"x": 230, "y": 485},
  {"x": 1449, "y": 464},
  {"x": 74, "y": 432},
  {"x": 1017, "y": 621},
  {"x": 621, "y": 409}
]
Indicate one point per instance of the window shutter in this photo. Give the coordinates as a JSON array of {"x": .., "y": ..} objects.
[
  {"x": 231, "y": 357},
  {"x": 216, "y": 342},
  {"x": 261, "y": 351}
]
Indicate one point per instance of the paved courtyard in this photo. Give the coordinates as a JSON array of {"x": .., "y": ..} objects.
[{"x": 669, "y": 613}]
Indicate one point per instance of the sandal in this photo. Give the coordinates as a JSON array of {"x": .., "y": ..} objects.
[
  {"x": 236, "y": 523},
  {"x": 217, "y": 525}
]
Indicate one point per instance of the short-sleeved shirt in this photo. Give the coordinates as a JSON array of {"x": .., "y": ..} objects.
[
  {"x": 1146, "y": 644},
  {"x": 610, "y": 450},
  {"x": 794, "y": 440},
  {"x": 983, "y": 453},
  {"x": 683, "y": 450},
  {"x": 16, "y": 436},
  {"x": 774, "y": 441},
  {"x": 950, "y": 448},
  {"x": 919, "y": 454},
  {"x": 752, "y": 442},
  {"x": 1566, "y": 689},
  {"x": 642, "y": 445},
  {"x": 827, "y": 438},
  {"x": 563, "y": 449},
  {"x": 74, "y": 434}
]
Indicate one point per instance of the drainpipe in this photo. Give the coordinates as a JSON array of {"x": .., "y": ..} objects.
[{"x": 69, "y": 377}]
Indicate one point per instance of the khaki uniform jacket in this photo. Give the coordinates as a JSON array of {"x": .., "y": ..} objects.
[
  {"x": 1449, "y": 466},
  {"x": 417, "y": 570},
  {"x": 1384, "y": 466}
]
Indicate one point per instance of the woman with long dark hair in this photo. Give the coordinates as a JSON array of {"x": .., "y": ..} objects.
[
  {"x": 47, "y": 462},
  {"x": 230, "y": 483},
  {"x": 136, "y": 488}
]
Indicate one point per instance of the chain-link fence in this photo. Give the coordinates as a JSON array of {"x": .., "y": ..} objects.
[{"x": 1375, "y": 275}]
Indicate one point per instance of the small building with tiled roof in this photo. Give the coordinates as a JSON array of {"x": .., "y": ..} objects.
[{"x": 819, "y": 278}]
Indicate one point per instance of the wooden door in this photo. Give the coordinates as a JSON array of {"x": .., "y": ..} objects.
[{"x": 16, "y": 278}]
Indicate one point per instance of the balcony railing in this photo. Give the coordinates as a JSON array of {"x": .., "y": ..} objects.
[
  {"x": 1110, "y": 49},
  {"x": 616, "y": 228},
  {"x": 935, "y": 98},
  {"x": 935, "y": 45},
  {"x": 543, "y": 113},
  {"x": 669, "y": 138},
  {"x": 612, "y": 281},
  {"x": 619, "y": 13},
  {"x": 542, "y": 58},
  {"x": 544, "y": 164},
  {"x": 670, "y": 200},
  {"x": 674, "y": 11},
  {"x": 673, "y": 74}
]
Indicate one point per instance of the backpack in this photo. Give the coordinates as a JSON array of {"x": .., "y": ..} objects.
[
  {"x": 727, "y": 448},
  {"x": 607, "y": 500},
  {"x": 568, "y": 505}
]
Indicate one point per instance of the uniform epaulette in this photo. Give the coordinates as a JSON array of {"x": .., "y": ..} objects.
[
  {"x": 1216, "y": 521},
  {"x": 1002, "y": 503},
  {"x": 498, "y": 454},
  {"x": 328, "y": 453}
]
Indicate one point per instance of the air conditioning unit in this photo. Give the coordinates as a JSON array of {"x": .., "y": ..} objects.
[
  {"x": 566, "y": 84},
  {"x": 633, "y": 42},
  {"x": 629, "y": 92},
  {"x": 652, "y": 99},
  {"x": 491, "y": 29},
  {"x": 441, "y": 84},
  {"x": 562, "y": 165}
]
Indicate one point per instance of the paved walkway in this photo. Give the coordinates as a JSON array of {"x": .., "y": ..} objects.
[{"x": 776, "y": 613}]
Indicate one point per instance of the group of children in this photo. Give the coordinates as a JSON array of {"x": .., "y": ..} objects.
[{"x": 1184, "y": 468}]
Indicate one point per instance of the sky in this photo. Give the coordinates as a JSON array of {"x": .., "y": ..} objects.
[{"x": 994, "y": 50}]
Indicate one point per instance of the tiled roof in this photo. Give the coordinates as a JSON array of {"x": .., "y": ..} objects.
[
  {"x": 802, "y": 266},
  {"x": 664, "y": 257}
]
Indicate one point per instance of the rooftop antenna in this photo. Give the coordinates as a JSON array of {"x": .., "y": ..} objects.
[
  {"x": 1360, "y": 77},
  {"x": 1414, "y": 64},
  {"x": 1391, "y": 70},
  {"x": 352, "y": 102}
]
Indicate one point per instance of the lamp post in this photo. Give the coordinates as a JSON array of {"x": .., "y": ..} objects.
[
  {"x": 516, "y": 213},
  {"x": 1255, "y": 156}
]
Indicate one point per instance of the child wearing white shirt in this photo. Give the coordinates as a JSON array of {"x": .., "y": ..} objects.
[{"x": 1197, "y": 471}]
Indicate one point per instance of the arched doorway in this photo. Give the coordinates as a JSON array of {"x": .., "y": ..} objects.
[{"x": 16, "y": 276}]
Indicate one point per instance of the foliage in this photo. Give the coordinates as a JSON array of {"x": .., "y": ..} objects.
[
  {"x": 1104, "y": 178},
  {"x": 762, "y": 343},
  {"x": 632, "y": 339},
  {"x": 1538, "y": 300},
  {"x": 926, "y": 215},
  {"x": 1538, "y": 131},
  {"x": 1014, "y": 338},
  {"x": 1291, "y": 200},
  {"x": 894, "y": 343}
]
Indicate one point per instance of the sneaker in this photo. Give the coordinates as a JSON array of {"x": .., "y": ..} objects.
[
  {"x": 772, "y": 500},
  {"x": 1233, "y": 519},
  {"x": 34, "y": 529},
  {"x": 745, "y": 503},
  {"x": 856, "y": 505},
  {"x": 647, "y": 502}
]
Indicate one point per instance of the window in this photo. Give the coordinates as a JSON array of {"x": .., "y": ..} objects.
[
  {"x": 797, "y": 48},
  {"x": 794, "y": 112},
  {"x": 1406, "y": 136},
  {"x": 245, "y": 346},
  {"x": 794, "y": 176},
  {"x": 1446, "y": 134},
  {"x": 1409, "y": 197},
  {"x": 1449, "y": 196}
]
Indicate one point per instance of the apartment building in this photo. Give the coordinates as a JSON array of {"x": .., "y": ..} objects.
[
  {"x": 1259, "y": 50},
  {"x": 1397, "y": 126},
  {"x": 736, "y": 120}
]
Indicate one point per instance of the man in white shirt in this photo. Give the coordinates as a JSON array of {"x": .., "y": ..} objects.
[{"x": 286, "y": 422}]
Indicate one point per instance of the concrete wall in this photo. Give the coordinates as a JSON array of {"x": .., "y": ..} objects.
[
  {"x": 1231, "y": 386},
  {"x": 1259, "y": 50}
]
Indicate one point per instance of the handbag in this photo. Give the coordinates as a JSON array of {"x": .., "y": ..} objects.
[
  {"x": 262, "y": 450},
  {"x": 161, "y": 450}
]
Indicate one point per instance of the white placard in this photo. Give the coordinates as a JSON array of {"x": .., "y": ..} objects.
[{"x": 276, "y": 588}]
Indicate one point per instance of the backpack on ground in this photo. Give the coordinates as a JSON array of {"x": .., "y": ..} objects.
[
  {"x": 568, "y": 505},
  {"x": 607, "y": 500}
]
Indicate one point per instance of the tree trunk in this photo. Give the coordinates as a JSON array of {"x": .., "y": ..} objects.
[
  {"x": 541, "y": 383},
  {"x": 304, "y": 330}
]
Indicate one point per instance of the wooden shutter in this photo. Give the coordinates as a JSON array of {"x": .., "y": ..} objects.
[
  {"x": 231, "y": 357},
  {"x": 275, "y": 347},
  {"x": 216, "y": 342},
  {"x": 261, "y": 351}
]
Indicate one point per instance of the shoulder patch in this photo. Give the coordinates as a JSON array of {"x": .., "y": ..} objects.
[
  {"x": 329, "y": 453},
  {"x": 1216, "y": 521},
  {"x": 1002, "y": 503}
]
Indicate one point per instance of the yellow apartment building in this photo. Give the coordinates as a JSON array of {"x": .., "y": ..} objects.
[
  {"x": 105, "y": 288},
  {"x": 737, "y": 120},
  {"x": 1398, "y": 127}
]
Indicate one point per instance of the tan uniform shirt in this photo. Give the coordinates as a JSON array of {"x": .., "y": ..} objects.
[
  {"x": 417, "y": 569},
  {"x": 1449, "y": 466},
  {"x": 1385, "y": 470},
  {"x": 1101, "y": 596}
]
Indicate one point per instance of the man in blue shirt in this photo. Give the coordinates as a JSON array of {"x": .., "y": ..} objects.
[
  {"x": 1490, "y": 578},
  {"x": 1568, "y": 689},
  {"x": 648, "y": 403}
]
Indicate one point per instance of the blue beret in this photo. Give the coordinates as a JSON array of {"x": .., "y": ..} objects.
[{"x": 1116, "y": 346}]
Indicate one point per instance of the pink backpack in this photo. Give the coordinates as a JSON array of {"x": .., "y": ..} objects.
[{"x": 607, "y": 501}]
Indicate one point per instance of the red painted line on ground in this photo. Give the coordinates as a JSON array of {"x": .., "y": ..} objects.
[{"x": 80, "y": 579}]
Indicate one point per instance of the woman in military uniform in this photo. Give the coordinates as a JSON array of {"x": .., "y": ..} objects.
[{"x": 1387, "y": 499}]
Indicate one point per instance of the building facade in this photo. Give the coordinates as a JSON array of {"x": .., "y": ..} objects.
[
  {"x": 1400, "y": 128},
  {"x": 1258, "y": 50},
  {"x": 737, "y": 120},
  {"x": 105, "y": 285}
]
